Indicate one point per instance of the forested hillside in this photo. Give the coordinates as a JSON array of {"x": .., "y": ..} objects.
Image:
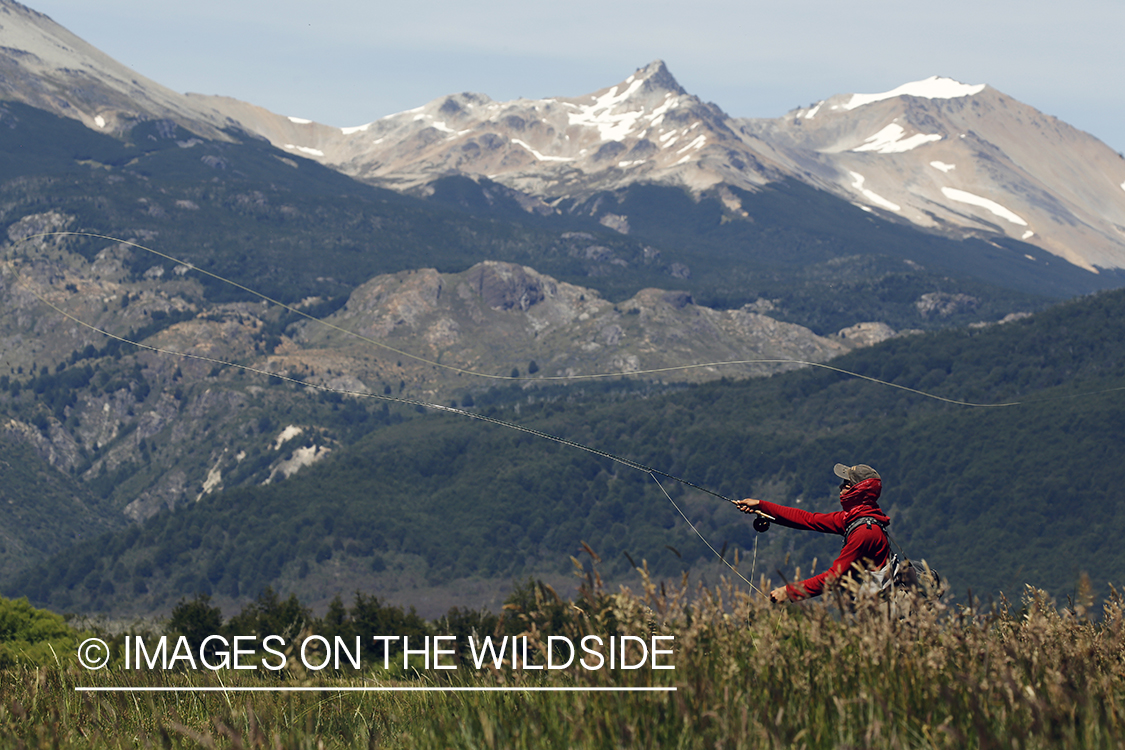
[
  {"x": 42, "y": 510},
  {"x": 1019, "y": 488}
]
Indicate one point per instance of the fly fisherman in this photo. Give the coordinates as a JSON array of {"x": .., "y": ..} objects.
[{"x": 861, "y": 522}]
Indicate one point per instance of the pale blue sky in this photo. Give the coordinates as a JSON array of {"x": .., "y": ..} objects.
[{"x": 347, "y": 62}]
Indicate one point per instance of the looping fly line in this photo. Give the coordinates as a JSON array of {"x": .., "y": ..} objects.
[
  {"x": 652, "y": 472},
  {"x": 474, "y": 373},
  {"x": 414, "y": 402}
]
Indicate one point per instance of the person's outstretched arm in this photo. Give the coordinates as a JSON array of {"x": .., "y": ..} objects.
[{"x": 795, "y": 518}]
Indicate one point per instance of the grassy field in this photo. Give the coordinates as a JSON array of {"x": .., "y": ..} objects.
[{"x": 747, "y": 674}]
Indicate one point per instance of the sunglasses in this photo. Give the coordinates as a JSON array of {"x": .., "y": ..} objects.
[{"x": 846, "y": 485}]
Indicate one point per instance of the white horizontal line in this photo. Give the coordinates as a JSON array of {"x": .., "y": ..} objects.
[{"x": 352, "y": 689}]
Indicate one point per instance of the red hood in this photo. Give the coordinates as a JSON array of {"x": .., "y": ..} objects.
[{"x": 863, "y": 500}]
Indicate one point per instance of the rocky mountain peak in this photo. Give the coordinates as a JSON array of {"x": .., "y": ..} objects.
[
  {"x": 645, "y": 127},
  {"x": 461, "y": 106},
  {"x": 45, "y": 66},
  {"x": 651, "y": 90},
  {"x": 964, "y": 160},
  {"x": 657, "y": 78}
]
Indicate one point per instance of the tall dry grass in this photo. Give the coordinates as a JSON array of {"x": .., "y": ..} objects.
[{"x": 829, "y": 674}]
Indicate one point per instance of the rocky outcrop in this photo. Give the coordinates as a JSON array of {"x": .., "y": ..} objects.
[
  {"x": 494, "y": 318},
  {"x": 503, "y": 286},
  {"x": 944, "y": 304},
  {"x": 865, "y": 334}
]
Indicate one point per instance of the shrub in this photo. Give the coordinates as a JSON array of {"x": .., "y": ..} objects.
[{"x": 33, "y": 636}]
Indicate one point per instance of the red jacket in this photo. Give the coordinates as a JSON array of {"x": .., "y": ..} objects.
[{"x": 867, "y": 545}]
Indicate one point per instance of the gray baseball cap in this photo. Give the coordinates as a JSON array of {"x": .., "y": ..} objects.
[{"x": 855, "y": 474}]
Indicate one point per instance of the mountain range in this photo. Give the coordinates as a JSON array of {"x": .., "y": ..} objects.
[
  {"x": 948, "y": 157},
  {"x": 954, "y": 158}
]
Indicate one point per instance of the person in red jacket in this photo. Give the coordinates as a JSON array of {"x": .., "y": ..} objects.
[{"x": 862, "y": 523}]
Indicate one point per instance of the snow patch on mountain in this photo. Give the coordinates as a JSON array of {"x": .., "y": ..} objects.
[
  {"x": 975, "y": 200},
  {"x": 890, "y": 140},
  {"x": 934, "y": 87},
  {"x": 539, "y": 156},
  {"x": 657, "y": 115},
  {"x": 698, "y": 143},
  {"x": 304, "y": 150},
  {"x": 942, "y": 166},
  {"x": 611, "y": 126},
  {"x": 871, "y": 195}
]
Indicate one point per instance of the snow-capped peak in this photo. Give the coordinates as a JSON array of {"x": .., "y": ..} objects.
[
  {"x": 934, "y": 87},
  {"x": 632, "y": 106}
]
